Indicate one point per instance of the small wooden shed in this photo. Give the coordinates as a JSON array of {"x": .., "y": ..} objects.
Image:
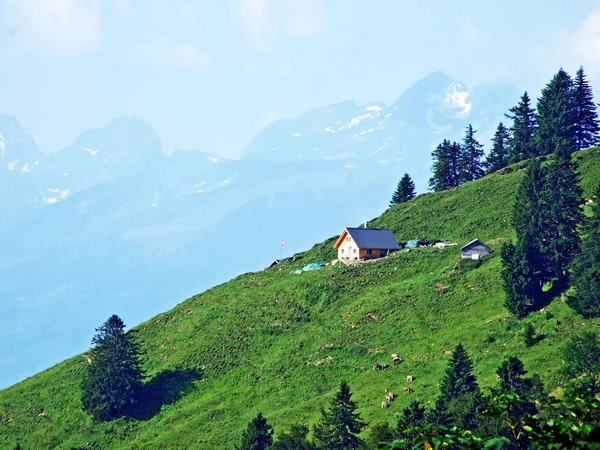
[
  {"x": 365, "y": 243},
  {"x": 475, "y": 249}
]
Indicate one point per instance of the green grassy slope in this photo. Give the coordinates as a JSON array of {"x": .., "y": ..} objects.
[{"x": 280, "y": 342}]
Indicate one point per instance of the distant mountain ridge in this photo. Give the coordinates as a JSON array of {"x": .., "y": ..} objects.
[{"x": 110, "y": 224}]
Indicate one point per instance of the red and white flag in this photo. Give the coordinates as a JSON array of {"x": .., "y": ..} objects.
[{"x": 283, "y": 243}]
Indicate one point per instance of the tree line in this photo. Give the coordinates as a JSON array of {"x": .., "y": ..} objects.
[
  {"x": 565, "y": 114},
  {"x": 517, "y": 413},
  {"x": 557, "y": 246}
]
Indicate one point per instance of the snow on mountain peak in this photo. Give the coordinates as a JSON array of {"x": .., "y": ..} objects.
[
  {"x": 91, "y": 151},
  {"x": 2, "y": 145},
  {"x": 456, "y": 102}
]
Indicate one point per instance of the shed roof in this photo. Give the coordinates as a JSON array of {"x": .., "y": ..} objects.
[
  {"x": 371, "y": 238},
  {"x": 473, "y": 242}
]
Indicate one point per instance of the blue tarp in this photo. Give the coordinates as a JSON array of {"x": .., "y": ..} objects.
[
  {"x": 413, "y": 243},
  {"x": 312, "y": 266}
]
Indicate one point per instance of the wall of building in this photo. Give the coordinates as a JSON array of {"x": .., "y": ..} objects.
[{"x": 476, "y": 249}]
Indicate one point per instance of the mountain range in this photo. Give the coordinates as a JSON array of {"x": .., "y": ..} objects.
[{"x": 112, "y": 225}]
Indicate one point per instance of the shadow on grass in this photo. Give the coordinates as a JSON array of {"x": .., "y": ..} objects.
[{"x": 165, "y": 388}]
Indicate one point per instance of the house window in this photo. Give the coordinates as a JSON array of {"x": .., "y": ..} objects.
[
  {"x": 348, "y": 239},
  {"x": 355, "y": 251},
  {"x": 369, "y": 252},
  {"x": 342, "y": 251}
]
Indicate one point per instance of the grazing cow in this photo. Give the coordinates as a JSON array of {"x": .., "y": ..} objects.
[
  {"x": 396, "y": 359},
  {"x": 385, "y": 404},
  {"x": 385, "y": 366},
  {"x": 410, "y": 378},
  {"x": 408, "y": 390},
  {"x": 391, "y": 396},
  {"x": 447, "y": 352},
  {"x": 377, "y": 367}
]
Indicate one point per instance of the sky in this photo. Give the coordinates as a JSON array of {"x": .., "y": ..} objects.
[{"x": 209, "y": 75}]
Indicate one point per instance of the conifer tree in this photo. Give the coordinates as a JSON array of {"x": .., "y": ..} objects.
[
  {"x": 587, "y": 125},
  {"x": 581, "y": 355},
  {"x": 521, "y": 286},
  {"x": 523, "y": 129},
  {"x": 561, "y": 201},
  {"x": 405, "y": 190},
  {"x": 556, "y": 114},
  {"x": 113, "y": 379},
  {"x": 339, "y": 426},
  {"x": 511, "y": 380},
  {"x": 586, "y": 267},
  {"x": 414, "y": 415},
  {"x": 458, "y": 378},
  {"x": 499, "y": 154},
  {"x": 257, "y": 436},
  {"x": 471, "y": 167},
  {"x": 446, "y": 166}
]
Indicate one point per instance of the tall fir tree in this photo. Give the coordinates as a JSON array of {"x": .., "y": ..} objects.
[
  {"x": 587, "y": 125},
  {"x": 522, "y": 143},
  {"x": 561, "y": 201},
  {"x": 522, "y": 288},
  {"x": 414, "y": 415},
  {"x": 458, "y": 378},
  {"x": 527, "y": 220},
  {"x": 405, "y": 190},
  {"x": 585, "y": 298},
  {"x": 339, "y": 427},
  {"x": 581, "y": 356},
  {"x": 498, "y": 156},
  {"x": 471, "y": 166},
  {"x": 446, "y": 166},
  {"x": 257, "y": 436},
  {"x": 556, "y": 114},
  {"x": 113, "y": 379}
]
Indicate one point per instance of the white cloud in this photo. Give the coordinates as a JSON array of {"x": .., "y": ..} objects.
[
  {"x": 585, "y": 44},
  {"x": 122, "y": 5},
  {"x": 63, "y": 28},
  {"x": 263, "y": 20},
  {"x": 182, "y": 55}
]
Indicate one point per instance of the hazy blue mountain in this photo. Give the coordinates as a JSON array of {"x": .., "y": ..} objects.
[{"x": 111, "y": 225}]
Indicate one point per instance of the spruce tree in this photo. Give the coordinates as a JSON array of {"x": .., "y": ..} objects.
[
  {"x": 511, "y": 380},
  {"x": 339, "y": 426},
  {"x": 521, "y": 286},
  {"x": 498, "y": 158},
  {"x": 581, "y": 356},
  {"x": 113, "y": 379},
  {"x": 585, "y": 298},
  {"x": 523, "y": 129},
  {"x": 471, "y": 167},
  {"x": 257, "y": 436},
  {"x": 561, "y": 201},
  {"x": 556, "y": 114},
  {"x": 458, "y": 378},
  {"x": 414, "y": 415},
  {"x": 446, "y": 166},
  {"x": 405, "y": 190},
  {"x": 587, "y": 125}
]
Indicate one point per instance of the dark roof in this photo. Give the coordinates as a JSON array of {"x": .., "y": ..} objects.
[
  {"x": 374, "y": 238},
  {"x": 473, "y": 242}
]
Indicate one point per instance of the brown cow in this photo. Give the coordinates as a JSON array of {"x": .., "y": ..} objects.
[{"x": 408, "y": 390}]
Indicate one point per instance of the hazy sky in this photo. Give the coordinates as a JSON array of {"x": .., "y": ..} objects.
[{"x": 208, "y": 74}]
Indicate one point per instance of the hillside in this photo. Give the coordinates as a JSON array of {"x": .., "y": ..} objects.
[
  {"x": 114, "y": 191},
  {"x": 279, "y": 342}
]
